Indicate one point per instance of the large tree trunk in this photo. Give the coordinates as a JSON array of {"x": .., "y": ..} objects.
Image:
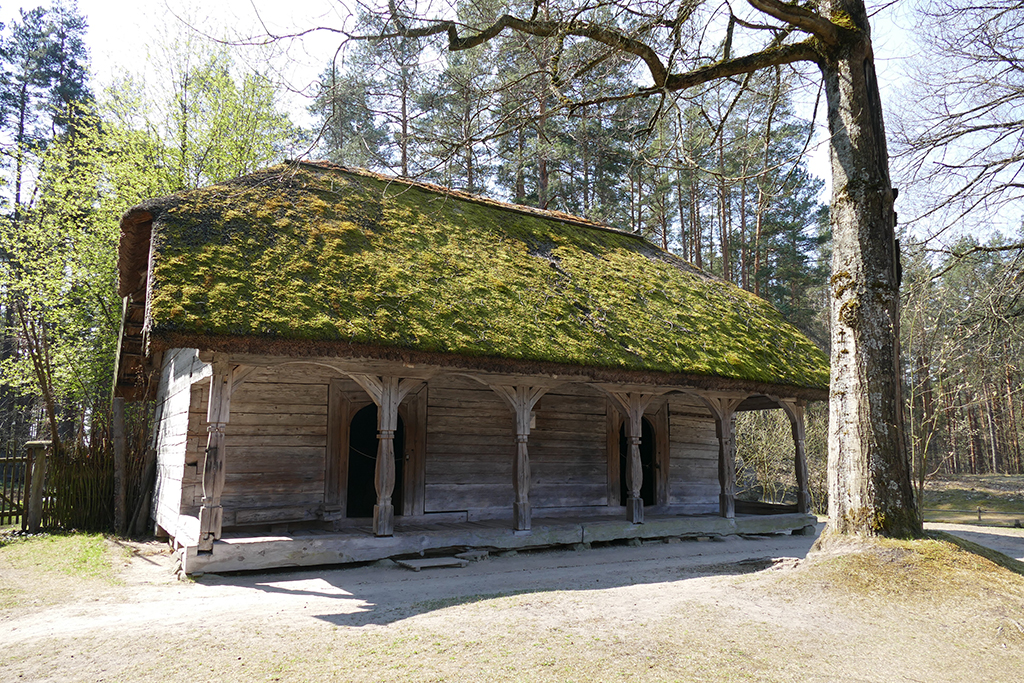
[{"x": 870, "y": 488}]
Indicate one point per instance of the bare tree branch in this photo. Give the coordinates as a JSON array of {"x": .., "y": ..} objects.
[{"x": 800, "y": 17}]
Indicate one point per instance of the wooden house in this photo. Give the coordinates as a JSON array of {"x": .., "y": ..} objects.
[{"x": 347, "y": 366}]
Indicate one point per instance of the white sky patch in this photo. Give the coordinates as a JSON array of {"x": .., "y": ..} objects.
[{"x": 121, "y": 34}]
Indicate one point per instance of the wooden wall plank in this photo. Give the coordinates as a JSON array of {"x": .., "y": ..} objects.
[{"x": 693, "y": 456}]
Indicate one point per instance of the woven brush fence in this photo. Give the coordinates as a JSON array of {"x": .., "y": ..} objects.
[
  {"x": 13, "y": 487},
  {"x": 79, "y": 490}
]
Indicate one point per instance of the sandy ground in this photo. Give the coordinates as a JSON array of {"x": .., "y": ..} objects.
[{"x": 712, "y": 610}]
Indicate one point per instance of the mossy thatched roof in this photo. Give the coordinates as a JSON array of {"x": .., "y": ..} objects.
[{"x": 318, "y": 253}]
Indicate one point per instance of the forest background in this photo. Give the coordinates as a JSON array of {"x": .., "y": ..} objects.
[{"x": 717, "y": 175}]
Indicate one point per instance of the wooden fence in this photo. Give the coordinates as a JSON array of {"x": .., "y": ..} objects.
[
  {"x": 13, "y": 489},
  {"x": 79, "y": 491}
]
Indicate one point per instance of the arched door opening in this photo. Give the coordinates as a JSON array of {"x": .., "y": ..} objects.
[
  {"x": 362, "y": 463},
  {"x": 647, "y": 486}
]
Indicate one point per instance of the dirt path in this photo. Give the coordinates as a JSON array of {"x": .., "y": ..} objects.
[
  {"x": 382, "y": 592},
  {"x": 682, "y": 611}
]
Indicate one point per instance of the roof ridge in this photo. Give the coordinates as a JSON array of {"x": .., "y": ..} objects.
[{"x": 475, "y": 198}]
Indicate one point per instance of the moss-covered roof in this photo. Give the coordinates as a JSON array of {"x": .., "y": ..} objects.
[{"x": 314, "y": 252}]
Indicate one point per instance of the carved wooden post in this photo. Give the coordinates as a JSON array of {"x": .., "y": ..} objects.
[
  {"x": 723, "y": 409},
  {"x": 521, "y": 399},
  {"x": 218, "y": 410},
  {"x": 633, "y": 404},
  {"x": 387, "y": 393},
  {"x": 795, "y": 411}
]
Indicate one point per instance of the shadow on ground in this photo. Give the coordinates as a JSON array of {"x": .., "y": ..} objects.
[{"x": 382, "y": 593}]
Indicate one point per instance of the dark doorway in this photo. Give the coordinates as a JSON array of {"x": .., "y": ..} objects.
[
  {"x": 646, "y": 463},
  {"x": 362, "y": 464}
]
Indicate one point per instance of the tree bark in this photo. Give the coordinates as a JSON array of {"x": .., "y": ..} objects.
[{"x": 870, "y": 489}]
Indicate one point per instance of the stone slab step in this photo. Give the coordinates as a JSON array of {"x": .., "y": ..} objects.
[{"x": 431, "y": 562}]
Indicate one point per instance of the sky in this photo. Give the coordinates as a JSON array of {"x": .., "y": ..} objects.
[{"x": 121, "y": 32}]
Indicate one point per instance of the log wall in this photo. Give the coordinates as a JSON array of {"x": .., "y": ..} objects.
[
  {"x": 693, "y": 457},
  {"x": 283, "y": 466},
  {"x": 569, "y": 449},
  {"x": 471, "y": 445},
  {"x": 275, "y": 444}
]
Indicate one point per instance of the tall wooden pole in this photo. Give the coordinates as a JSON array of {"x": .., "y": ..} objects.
[
  {"x": 211, "y": 514},
  {"x": 37, "y": 458},
  {"x": 521, "y": 399},
  {"x": 120, "y": 466}
]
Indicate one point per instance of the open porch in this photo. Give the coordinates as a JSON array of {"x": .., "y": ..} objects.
[{"x": 240, "y": 552}]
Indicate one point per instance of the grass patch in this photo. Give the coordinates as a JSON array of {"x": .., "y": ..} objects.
[
  {"x": 923, "y": 569},
  {"x": 76, "y": 554},
  {"x": 956, "y": 499}
]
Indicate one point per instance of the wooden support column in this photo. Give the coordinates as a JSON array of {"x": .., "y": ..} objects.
[
  {"x": 795, "y": 410},
  {"x": 33, "y": 519},
  {"x": 387, "y": 393},
  {"x": 120, "y": 465},
  {"x": 633, "y": 404},
  {"x": 521, "y": 399},
  {"x": 723, "y": 409},
  {"x": 218, "y": 411}
]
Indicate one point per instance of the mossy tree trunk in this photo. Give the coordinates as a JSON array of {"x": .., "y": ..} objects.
[{"x": 870, "y": 489}]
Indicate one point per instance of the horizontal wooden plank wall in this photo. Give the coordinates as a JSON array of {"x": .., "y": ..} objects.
[
  {"x": 277, "y": 439},
  {"x": 471, "y": 441},
  {"x": 693, "y": 457},
  {"x": 569, "y": 449},
  {"x": 181, "y": 367},
  {"x": 471, "y": 446},
  {"x": 275, "y": 443}
]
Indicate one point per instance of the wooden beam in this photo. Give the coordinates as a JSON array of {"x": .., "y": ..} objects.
[
  {"x": 723, "y": 409},
  {"x": 662, "y": 455},
  {"x": 794, "y": 408},
  {"x": 415, "y": 473},
  {"x": 387, "y": 392},
  {"x": 120, "y": 466},
  {"x": 614, "y": 422},
  {"x": 218, "y": 412},
  {"x": 521, "y": 399},
  {"x": 339, "y": 415}
]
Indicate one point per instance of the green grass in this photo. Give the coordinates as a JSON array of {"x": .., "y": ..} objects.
[
  {"x": 955, "y": 499},
  {"x": 76, "y": 554}
]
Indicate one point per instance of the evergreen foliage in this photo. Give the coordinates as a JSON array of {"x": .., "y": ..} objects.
[{"x": 75, "y": 164}]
